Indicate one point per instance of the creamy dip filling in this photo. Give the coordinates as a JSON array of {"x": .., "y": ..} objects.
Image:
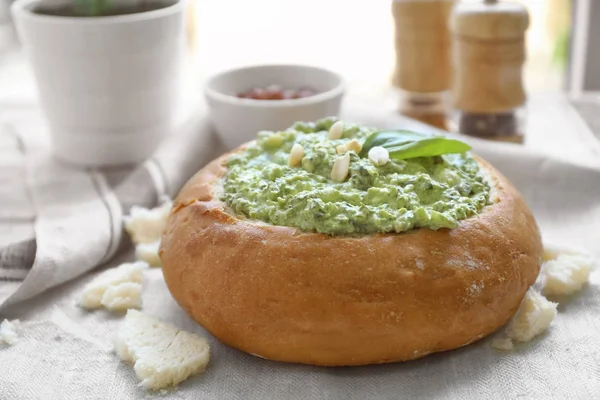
[{"x": 426, "y": 192}]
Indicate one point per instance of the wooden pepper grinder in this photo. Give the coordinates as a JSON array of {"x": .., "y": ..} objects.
[
  {"x": 422, "y": 42},
  {"x": 488, "y": 41}
]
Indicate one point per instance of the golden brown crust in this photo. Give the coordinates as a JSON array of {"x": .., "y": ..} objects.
[{"x": 311, "y": 298}]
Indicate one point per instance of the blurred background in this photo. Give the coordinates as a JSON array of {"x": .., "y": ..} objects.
[
  {"x": 353, "y": 38},
  {"x": 356, "y": 39}
]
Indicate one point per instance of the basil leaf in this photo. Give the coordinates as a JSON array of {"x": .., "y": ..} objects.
[
  {"x": 407, "y": 144},
  {"x": 389, "y": 139},
  {"x": 435, "y": 146}
]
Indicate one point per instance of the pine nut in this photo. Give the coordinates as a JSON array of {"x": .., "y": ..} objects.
[
  {"x": 341, "y": 167},
  {"x": 353, "y": 145},
  {"x": 296, "y": 155},
  {"x": 336, "y": 131}
]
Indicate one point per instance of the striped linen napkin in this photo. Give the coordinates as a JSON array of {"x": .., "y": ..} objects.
[{"x": 58, "y": 222}]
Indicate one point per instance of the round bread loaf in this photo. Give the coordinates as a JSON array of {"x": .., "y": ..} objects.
[{"x": 311, "y": 298}]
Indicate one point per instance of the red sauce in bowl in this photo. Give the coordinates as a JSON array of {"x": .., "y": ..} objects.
[{"x": 275, "y": 92}]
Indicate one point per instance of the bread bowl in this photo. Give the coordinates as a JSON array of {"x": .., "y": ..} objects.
[{"x": 332, "y": 299}]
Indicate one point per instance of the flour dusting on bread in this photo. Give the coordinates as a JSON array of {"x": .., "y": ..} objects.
[
  {"x": 476, "y": 288},
  {"x": 466, "y": 261}
]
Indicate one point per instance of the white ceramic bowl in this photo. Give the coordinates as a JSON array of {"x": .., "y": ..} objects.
[{"x": 239, "y": 120}]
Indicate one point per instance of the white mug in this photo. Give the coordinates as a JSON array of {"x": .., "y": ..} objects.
[{"x": 109, "y": 86}]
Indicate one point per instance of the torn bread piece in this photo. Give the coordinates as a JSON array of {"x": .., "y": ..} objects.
[
  {"x": 148, "y": 252},
  {"x": 147, "y": 225},
  {"x": 533, "y": 317},
  {"x": 564, "y": 271},
  {"x": 117, "y": 288},
  {"x": 123, "y": 296},
  {"x": 8, "y": 331},
  {"x": 162, "y": 354}
]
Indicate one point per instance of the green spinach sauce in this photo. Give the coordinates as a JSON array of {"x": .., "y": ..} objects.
[{"x": 427, "y": 192}]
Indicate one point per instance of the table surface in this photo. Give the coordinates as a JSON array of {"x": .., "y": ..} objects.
[{"x": 556, "y": 125}]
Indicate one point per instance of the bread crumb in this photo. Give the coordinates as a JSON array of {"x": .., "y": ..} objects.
[
  {"x": 565, "y": 274},
  {"x": 505, "y": 344},
  {"x": 162, "y": 354},
  {"x": 148, "y": 252},
  {"x": 8, "y": 331},
  {"x": 116, "y": 288},
  {"x": 123, "y": 296},
  {"x": 147, "y": 225},
  {"x": 532, "y": 318}
]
